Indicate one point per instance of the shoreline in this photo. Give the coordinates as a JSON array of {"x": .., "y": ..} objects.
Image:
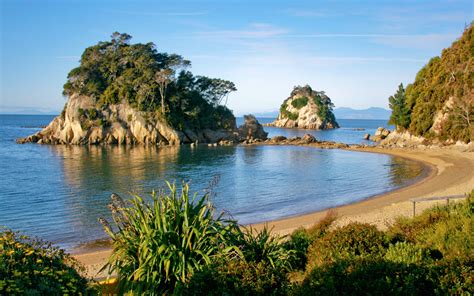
[{"x": 447, "y": 172}]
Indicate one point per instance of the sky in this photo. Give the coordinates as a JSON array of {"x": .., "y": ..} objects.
[{"x": 356, "y": 51}]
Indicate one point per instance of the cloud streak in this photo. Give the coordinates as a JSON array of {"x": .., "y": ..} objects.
[
  {"x": 254, "y": 31},
  {"x": 165, "y": 13}
]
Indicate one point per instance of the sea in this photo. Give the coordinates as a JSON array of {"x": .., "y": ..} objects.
[{"x": 57, "y": 193}]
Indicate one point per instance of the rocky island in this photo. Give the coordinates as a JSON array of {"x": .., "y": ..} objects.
[
  {"x": 306, "y": 108},
  {"x": 125, "y": 93}
]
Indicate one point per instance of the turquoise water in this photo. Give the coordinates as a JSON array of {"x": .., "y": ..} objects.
[{"x": 58, "y": 192}]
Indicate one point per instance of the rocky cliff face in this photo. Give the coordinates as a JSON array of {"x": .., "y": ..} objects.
[
  {"x": 307, "y": 109},
  {"x": 81, "y": 123}
]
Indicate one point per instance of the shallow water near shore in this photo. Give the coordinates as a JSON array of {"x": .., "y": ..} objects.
[{"x": 58, "y": 192}]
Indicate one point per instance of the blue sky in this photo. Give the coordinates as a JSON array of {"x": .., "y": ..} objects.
[{"x": 356, "y": 51}]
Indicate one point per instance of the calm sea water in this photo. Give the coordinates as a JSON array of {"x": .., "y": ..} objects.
[{"x": 58, "y": 192}]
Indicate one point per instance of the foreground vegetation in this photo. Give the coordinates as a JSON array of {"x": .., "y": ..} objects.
[
  {"x": 174, "y": 243},
  {"x": 446, "y": 85},
  {"x": 33, "y": 267}
]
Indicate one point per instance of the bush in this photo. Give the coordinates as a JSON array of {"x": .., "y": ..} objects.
[
  {"x": 299, "y": 102},
  {"x": 368, "y": 276},
  {"x": 453, "y": 236},
  {"x": 455, "y": 277},
  {"x": 33, "y": 267},
  {"x": 159, "y": 245},
  {"x": 446, "y": 228},
  {"x": 301, "y": 239},
  {"x": 263, "y": 246},
  {"x": 238, "y": 277},
  {"x": 258, "y": 268},
  {"x": 407, "y": 253},
  {"x": 347, "y": 242}
]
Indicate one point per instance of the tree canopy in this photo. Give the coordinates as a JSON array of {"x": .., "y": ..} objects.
[
  {"x": 449, "y": 77},
  {"x": 117, "y": 71},
  {"x": 400, "y": 111}
]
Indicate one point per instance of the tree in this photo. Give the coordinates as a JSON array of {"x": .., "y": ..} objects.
[
  {"x": 400, "y": 112},
  {"x": 214, "y": 90},
  {"x": 163, "y": 78},
  {"x": 463, "y": 112}
]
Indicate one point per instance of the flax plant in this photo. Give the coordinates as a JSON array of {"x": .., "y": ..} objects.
[{"x": 160, "y": 244}]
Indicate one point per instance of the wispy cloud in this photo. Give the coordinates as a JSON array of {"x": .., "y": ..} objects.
[
  {"x": 161, "y": 13},
  {"x": 416, "y": 41},
  {"x": 307, "y": 13},
  {"x": 254, "y": 31},
  {"x": 296, "y": 59}
]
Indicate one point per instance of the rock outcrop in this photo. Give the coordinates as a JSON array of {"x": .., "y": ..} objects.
[
  {"x": 81, "y": 123},
  {"x": 306, "y": 140},
  {"x": 307, "y": 109},
  {"x": 401, "y": 140},
  {"x": 380, "y": 134},
  {"x": 252, "y": 129}
]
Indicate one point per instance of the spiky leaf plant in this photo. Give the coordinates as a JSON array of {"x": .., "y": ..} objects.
[{"x": 160, "y": 243}]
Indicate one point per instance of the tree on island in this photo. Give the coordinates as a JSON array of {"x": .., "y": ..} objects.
[
  {"x": 400, "y": 112},
  {"x": 117, "y": 71}
]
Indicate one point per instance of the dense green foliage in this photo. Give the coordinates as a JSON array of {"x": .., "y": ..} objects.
[
  {"x": 33, "y": 267},
  {"x": 400, "y": 116},
  {"x": 431, "y": 254},
  {"x": 287, "y": 114},
  {"x": 259, "y": 268},
  {"x": 299, "y": 103},
  {"x": 173, "y": 244},
  {"x": 445, "y": 78},
  {"x": 119, "y": 72},
  {"x": 159, "y": 245},
  {"x": 353, "y": 240}
]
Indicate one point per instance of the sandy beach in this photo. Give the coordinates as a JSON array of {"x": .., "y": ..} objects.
[{"x": 449, "y": 172}]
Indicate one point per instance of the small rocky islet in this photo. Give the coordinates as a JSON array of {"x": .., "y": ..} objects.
[
  {"x": 125, "y": 93},
  {"x": 306, "y": 108}
]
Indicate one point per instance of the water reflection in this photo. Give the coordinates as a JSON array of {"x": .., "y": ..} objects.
[
  {"x": 402, "y": 170},
  {"x": 256, "y": 183}
]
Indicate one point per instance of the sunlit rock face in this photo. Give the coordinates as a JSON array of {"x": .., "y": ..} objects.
[{"x": 81, "y": 123}]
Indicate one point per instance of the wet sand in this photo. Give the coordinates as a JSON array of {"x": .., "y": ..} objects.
[{"x": 449, "y": 172}]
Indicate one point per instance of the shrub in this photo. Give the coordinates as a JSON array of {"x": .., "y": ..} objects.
[
  {"x": 407, "y": 253},
  {"x": 33, "y": 267},
  {"x": 301, "y": 239},
  {"x": 259, "y": 268},
  {"x": 446, "y": 228},
  {"x": 263, "y": 246},
  {"x": 161, "y": 244},
  {"x": 455, "y": 277},
  {"x": 299, "y": 102},
  {"x": 368, "y": 276},
  {"x": 454, "y": 235},
  {"x": 346, "y": 242},
  {"x": 238, "y": 277},
  {"x": 408, "y": 229}
]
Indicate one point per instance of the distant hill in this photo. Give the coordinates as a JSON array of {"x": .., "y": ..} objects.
[
  {"x": 269, "y": 114},
  {"x": 343, "y": 113},
  {"x": 370, "y": 113},
  {"x": 7, "y": 110}
]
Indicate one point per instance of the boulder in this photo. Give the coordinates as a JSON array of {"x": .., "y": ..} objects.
[
  {"x": 308, "y": 138},
  {"x": 278, "y": 139},
  {"x": 380, "y": 134},
  {"x": 251, "y": 129}
]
